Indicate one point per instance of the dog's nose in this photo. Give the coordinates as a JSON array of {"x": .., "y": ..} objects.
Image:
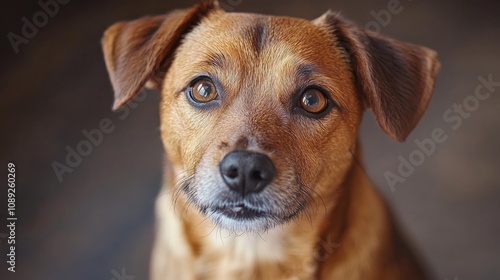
[{"x": 246, "y": 172}]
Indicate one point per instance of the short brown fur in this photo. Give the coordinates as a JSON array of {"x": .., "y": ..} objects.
[{"x": 328, "y": 221}]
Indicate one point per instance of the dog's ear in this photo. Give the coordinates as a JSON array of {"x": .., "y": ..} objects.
[
  {"x": 395, "y": 79},
  {"x": 139, "y": 51}
]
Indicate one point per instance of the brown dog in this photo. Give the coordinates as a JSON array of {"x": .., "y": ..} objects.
[{"x": 259, "y": 119}]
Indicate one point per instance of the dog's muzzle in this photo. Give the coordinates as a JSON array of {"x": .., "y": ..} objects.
[
  {"x": 244, "y": 191},
  {"x": 245, "y": 174}
]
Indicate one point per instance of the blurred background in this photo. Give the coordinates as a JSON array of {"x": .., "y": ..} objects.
[{"x": 97, "y": 222}]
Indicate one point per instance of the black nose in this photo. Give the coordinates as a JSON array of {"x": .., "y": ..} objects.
[{"x": 246, "y": 172}]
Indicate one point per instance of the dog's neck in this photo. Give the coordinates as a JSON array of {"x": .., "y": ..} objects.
[{"x": 343, "y": 238}]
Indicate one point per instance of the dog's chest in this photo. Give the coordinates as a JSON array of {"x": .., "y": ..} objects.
[{"x": 265, "y": 256}]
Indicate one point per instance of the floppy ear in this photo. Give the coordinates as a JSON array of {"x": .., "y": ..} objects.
[
  {"x": 395, "y": 79},
  {"x": 139, "y": 51}
]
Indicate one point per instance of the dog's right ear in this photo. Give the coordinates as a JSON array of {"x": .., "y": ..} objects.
[
  {"x": 395, "y": 79},
  {"x": 139, "y": 51}
]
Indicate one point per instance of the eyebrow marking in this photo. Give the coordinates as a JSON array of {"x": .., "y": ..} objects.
[
  {"x": 305, "y": 70},
  {"x": 216, "y": 60},
  {"x": 258, "y": 34}
]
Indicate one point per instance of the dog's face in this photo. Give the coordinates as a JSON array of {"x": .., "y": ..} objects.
[
  {"x": 241, "y": 83},
  {"x": 260, "y": 114}
]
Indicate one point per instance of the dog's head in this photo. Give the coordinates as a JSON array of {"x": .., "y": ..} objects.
[{"x": 260, "y": 114}]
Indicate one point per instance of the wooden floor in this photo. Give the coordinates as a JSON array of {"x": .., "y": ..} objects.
[{"x": 98, "y": 222}]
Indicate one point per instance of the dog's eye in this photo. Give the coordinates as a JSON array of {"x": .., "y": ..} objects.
[
  {"x": 313, "y": 101},
  {"x": 203, "y": 91}
]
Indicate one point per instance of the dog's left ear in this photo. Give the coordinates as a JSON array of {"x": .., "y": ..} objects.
[
  {"x": 137, "y": 52},
  {"x": 395, "y": 79}
]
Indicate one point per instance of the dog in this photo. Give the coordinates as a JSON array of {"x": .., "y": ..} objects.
[{"x": 259, "y": 121}]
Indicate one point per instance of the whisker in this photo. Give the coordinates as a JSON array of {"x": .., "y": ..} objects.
[
  {"x": 220, "y": 234},
  {"x": 208, "y": 234},
  {"x": 258, "y": 233},
  {"x": 184, "y": 182},
  {"x": 321, "y": 199}
]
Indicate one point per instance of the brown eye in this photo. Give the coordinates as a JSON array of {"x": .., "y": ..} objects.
[
  {"x": 313, "y": 101},
  {"x": 203, "y": 91}
]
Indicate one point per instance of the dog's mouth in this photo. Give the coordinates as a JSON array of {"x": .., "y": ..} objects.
[
  {"x": 244, "y": 216},
  {"x": 240, "y": 212},
  {"x": 254, "y": 212}
]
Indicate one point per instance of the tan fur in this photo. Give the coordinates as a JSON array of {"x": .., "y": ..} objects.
[{"x": 329, "y": 221}]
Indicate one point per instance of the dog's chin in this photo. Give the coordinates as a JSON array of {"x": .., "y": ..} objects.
[
  {"x": 241, "y": 218},
  {"x": 236, "y": 224}
]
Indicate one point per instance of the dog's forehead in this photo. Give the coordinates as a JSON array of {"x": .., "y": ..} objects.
[
  {"x": 254, "y": 36},
  {"x": 261, "y": 31},
  {"x": 248, "y": 39}
]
